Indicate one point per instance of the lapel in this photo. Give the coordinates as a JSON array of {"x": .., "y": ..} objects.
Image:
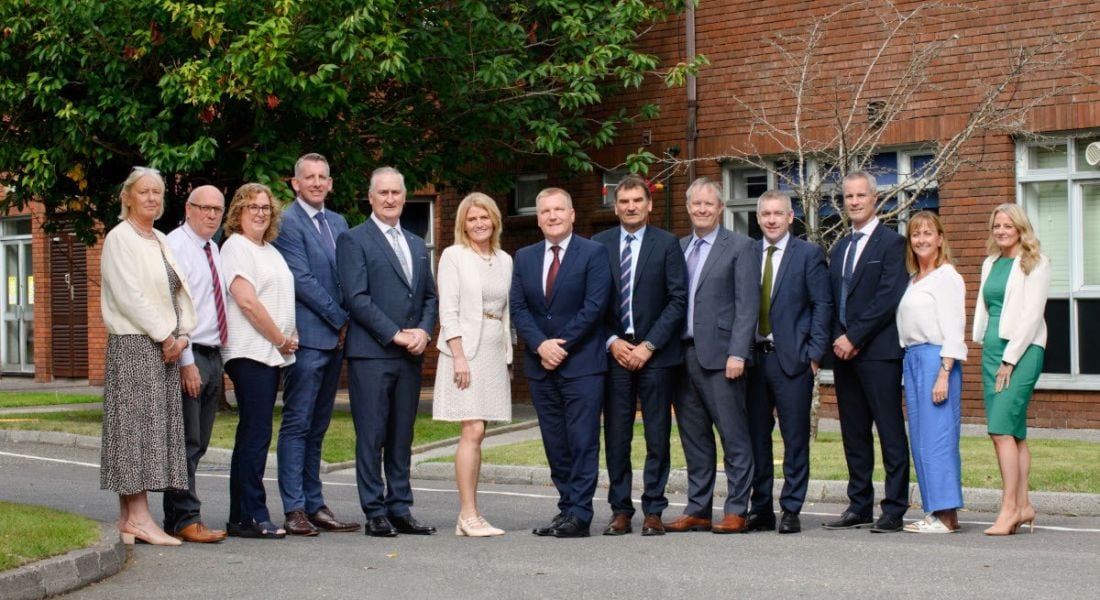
[
  {"x": 644, "y": 253},
  {"x": 297, "y": 212},
  {"x": 567, "y": 266},
  {"x": 781, "y": 269},
  {"x": 386, "y": 248},
  {"x": 721, "y": 246},
  {"x": 868, "y": 250}
]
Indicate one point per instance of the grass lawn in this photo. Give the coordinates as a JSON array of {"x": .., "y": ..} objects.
[
  {"x": 1056, "y": 465},
  {"x": 20, "y": 399},
  {"x": 339, "y": 441},
  {"x": 29, "y": 533}
]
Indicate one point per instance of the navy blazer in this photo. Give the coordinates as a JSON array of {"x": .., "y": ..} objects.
[
  {"x": 659, "y": 296},
  {"x": 727, "y": 300},
  {"x": 318, "y": 300},
  {"x": 574, "y": 312},
  {"x": 802, "y": 305},
  {"x": 878, "y": 282},
  {"x": 379, "y": 299}
]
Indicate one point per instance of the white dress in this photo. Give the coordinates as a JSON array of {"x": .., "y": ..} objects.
[{"x": 489, "y": 396}]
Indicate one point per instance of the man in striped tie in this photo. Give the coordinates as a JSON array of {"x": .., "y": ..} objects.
[
  {"x": 201, "y": 362},
  {"x": 644, "y": 319}
]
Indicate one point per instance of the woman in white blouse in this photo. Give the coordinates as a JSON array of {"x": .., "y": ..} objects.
[
  {"x": 262, "y": 340},
  {"x": 931, "y": 327}
]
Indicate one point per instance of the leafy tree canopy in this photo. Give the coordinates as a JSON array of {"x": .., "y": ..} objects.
[{"x": 235, "y": 90}]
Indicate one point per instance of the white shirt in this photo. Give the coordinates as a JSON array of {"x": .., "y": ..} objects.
[
  {"x": 188, "y": 248},
  {"x": 867, "y": 229},
  {"x": 635, "y": 249},
  {"x": 312, "y": 214},
  {"x": 777, "y": 259},
  {"x": 548, "y": 257},
  {"x": 933, "y": 311},
  {"x": 704, "y": 252},
  {"x": 264, "y": 268},
  {"x": 402, "y": 243}
]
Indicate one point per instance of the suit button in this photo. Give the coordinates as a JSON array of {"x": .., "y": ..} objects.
[{"x": 548, "y": 317}]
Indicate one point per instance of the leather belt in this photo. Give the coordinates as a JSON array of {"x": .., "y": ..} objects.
[
  {"x": 201, "y": 349},
  {"x": 489, "y": 315},
  {"x": 765, "y": 347}
]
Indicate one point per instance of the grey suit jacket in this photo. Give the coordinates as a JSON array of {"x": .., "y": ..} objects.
[{"x": 727, "y": 300}]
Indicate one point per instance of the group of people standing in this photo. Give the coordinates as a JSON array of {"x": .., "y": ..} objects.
[{"x": 727, "y": 330}]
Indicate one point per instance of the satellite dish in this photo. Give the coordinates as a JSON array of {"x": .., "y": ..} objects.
[{"x": 1092, "y": 154}]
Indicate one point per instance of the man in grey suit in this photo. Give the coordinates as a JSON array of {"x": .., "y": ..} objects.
[
  {"x": 723, "y": 302},
  {"x": 389, "y": 292},
  {"x": 307, "y": 241},
  {"x": 792, "y": 336}
]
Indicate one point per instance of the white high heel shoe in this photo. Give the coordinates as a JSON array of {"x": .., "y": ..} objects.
[{"x": 476, "y": 527}]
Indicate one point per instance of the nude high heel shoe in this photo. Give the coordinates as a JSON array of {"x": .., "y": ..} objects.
[
  {"x": 1008, "y": 529},
  {"x": 476, "y": 527},
  {"x": 1027, "y": 516},
  {"x": 133, "y": 531}
]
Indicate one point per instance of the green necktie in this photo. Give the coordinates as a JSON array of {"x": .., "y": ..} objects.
[{"x": 766, "y": 296}]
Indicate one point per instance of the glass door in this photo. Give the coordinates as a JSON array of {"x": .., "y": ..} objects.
[{"x": 17, "y": 326}]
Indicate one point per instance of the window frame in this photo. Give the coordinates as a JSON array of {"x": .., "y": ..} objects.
[{"x": 525, "y": 206}]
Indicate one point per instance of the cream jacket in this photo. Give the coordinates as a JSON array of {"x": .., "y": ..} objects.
[
  {"x": 1022, "y": 322},
  {"x": 460, "y": 305},
  {"x": 134, "y": 294}
]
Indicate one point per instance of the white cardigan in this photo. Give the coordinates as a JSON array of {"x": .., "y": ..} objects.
[
  {"x": 1022, "y": 322},
  {"x": 134, "y": 296},
  {"x": 460, "y": 304}
]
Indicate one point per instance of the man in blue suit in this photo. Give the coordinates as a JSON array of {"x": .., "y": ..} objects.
[
  {"x": 645, "y": 318},
  {"x": 868, "y": 274},
  {"x": 792, "y": 336},
  {"x": 307, "y": 241},
  {"x": 389, "y": 292},
  {"x": 723, "y": 302},
  {"x": 559, "y": 295}
]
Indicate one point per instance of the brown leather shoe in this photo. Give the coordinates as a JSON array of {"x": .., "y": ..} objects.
[
  {"x": 298, "y": 524},
  {"x": 200, "y": 534},
  {"x": 324, "y": 519},
  {"x": 688, "y": 523},
  {"x": 653, "y": 525},
  {"x": 731, "y": 524},
  {"x": 619, "y": 525}
]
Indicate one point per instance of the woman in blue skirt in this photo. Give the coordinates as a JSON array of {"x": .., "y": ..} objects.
[{"x": 931, "y": 327}]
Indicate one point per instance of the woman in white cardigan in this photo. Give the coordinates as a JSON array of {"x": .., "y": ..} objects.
[
  {"x": 1008, "y": 322},
  {"x": 472, "y": 381}
]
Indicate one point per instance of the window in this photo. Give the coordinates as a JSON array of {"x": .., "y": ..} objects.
[
  {"x": 1061, "y": 193},
  {"x": 419, "y": 217},
  {"x": 611, "y": 181},
  {"x": 891, "y": 168},
  {"x": 527, "y": 189}
]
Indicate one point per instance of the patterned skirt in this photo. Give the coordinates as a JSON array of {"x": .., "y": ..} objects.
[{"x": 143, "y": 441}]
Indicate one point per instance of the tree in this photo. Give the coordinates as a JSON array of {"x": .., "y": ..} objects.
[{"x": 235, "y": 90}]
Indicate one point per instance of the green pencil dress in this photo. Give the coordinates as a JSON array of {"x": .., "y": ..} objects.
[{"x": 1005, "y": 412}]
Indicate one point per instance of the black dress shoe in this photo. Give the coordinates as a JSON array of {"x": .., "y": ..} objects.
[
  {"x": 789, "y": 523},
  {"x": 761, "y": 522},
  {"x": 408, "y": 525},
  {"x": 570, "y": 527},
  {"x": 848, "y": 520},
  {"x": 380, "y": 527},
  {"x": 546, "y": 529},
  {"x": 887, "y": 524}
]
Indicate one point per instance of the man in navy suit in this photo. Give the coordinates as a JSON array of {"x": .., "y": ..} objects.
[
  {"x": 559, "y": 295},
  {"x": 389, "y": 292},
  {"x": 645, "y": 318},
  {"x": 867, "y": 268},
  {"x": 792, "y": 336},
  {"x": 307, "y": 241},
  {"x": 723, "y": 302}
]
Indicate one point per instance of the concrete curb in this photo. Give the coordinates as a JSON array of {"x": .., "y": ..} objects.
[{"x": 67, "y": 572}]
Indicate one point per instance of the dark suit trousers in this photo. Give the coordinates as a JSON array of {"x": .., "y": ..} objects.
[
  {"x": 869, "y": 392},
  {"x": 182, "y": 508},
  {"x": 772, "y": 392},
  {"x": 709, "y": 400},
  {"x": 654, "y": 388},
  {"x": 255, "y": 385},
  {"x": 309, "y": 391},
  {"x": 569, "y": 420},
  {"x": 384, "y": 395}
]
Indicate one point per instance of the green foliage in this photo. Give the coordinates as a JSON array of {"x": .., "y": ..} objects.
[{"x": 232, "y": 90}]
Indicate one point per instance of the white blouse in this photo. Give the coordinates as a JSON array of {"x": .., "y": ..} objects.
[
  {"x": 265, "y": 269},
  {"x": 933, "y": 311}
]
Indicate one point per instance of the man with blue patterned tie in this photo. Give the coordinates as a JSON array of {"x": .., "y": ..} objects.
[
  {"x": 645, "y": 318},
  {"x": 307, "y": 241},
  {"x": 868, "y": 275}
]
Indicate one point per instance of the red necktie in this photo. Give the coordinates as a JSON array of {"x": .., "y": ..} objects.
[
  {"x": 552, "y": 274},
  {"x": 219, "y": 302}
]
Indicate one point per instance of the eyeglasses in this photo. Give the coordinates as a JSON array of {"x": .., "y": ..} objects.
[
  {"x": 209, "y": 210},
  {"x": 260, "y": 209}
]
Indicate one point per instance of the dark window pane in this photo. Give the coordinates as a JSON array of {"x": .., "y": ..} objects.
[
  {"x": 1088, "y": 336},
  {"x": 927, "y": 200},
  {"x": 1057, "y": 353},
  {"x": 885, "y": 168},
  {"x": 920, "y": 165},
  {"x": 416, "y": 218},
  {"x": 756, "y": 185}
]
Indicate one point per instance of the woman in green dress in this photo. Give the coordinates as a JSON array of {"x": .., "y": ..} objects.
[{"x": 1008, "y": 322}]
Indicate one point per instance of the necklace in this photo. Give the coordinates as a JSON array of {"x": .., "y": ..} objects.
[
  {"x": 149, "y": 235},
  {"x": 488, "y": 259}
]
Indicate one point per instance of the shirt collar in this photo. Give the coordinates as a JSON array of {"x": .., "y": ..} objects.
[
  {"x": 194, "y": 237},
  {"x": 306, "y": 206},
  {"x": 564, "y": 244},
  {"x": 710, "y": 237},
  {"x": 637, "y": 234},
  {"x": 868, "y": 228},
  {"x": 384, "y": 227},
  {"x": 780, "y": 246}
]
